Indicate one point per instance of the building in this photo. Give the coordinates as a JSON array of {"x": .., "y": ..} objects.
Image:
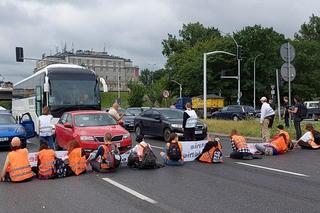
[{"x": 106, "y": 66}]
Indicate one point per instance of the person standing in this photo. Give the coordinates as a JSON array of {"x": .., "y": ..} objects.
[
  {"x": 45, "y": 127},
  {"x": 296, "y": 111},
  {"x": 286, "y": 112},
  {"x": 266, "y": 119},
  {"x": 113, "y": 111},
  {"x": 189, "y": 123}
]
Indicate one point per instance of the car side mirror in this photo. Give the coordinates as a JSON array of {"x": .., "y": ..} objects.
[
  {"x": 157, "y": 117},
  {"x": 67, "y": 125}
]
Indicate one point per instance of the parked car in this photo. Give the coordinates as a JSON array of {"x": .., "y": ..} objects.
[
  {"x": 88, "y": 128},
  {"x": 10, "y": 128},
  {"x": 129, "y": 115},
  {"x": 313, "y": 109},
  {"x": 235, "y": 112},
  {"x": 162, "y": 121}
]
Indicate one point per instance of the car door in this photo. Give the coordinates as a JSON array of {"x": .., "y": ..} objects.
[
  {"x": 60, "y": 130},
  {"x": 222, "y": 113},
  {"x": 157, "y": 125},
  {"x": 146, "y": 122},
  {"x": 28, "y": 124},
  {"x": 68, "y": 131}
]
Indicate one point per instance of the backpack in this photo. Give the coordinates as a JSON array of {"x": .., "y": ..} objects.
[
  {"x": 316, "y": 136},
  {"x": 302, "y": 111},
  {"x": 174, "y": 152},
  {"x": 108, "y": 159},
  {"x": 149, "y": 160},
  {"x": 60, "y": 168},
  {"x": 133, "y": 160}
]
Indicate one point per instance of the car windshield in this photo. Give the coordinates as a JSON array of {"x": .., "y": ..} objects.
[
  {"x": 172, "y": 113},
  {"x": 134, "y": 111},
  {"x": 100, "y": 119},
  {"x": 7, "y": 119}
]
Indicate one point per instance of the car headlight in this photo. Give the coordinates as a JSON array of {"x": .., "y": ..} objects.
[
  {"x": 20, "y": 130},
  {"x": 125, "y": 136},
  {"x": 86, "y": 138},
  {"x": 179, "y": 126}
]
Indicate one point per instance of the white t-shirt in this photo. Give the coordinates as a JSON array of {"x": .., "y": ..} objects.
[
  {"x": 306, "y": 137},
  {"x": 45, "y": 126},
  {"x": 114, "y": 113},
  {"x": 266, "y": 111}
]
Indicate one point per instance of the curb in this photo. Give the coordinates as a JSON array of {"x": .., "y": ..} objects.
[{"x": 225, "y": 135}]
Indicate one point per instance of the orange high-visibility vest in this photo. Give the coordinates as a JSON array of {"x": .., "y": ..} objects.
[
  {"x": 19, "y": 166},
  {"x": 286, "y": 134},
  {"x": 239, "y": 141},
  {"x": 280, "y": 144},
  {"x": 77, "y": 163},
  {"x": 107, "y": 158},
  {"x": 46, "y": 158},
  {"x": 208, "y": 156}
]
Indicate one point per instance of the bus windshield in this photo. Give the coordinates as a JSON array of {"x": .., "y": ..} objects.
[{"x": 74, "y": 93}]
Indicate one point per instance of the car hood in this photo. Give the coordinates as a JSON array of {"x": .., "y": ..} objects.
[
  {"x": 176, "y": 121},
  {"x": 101, "y": 130},
  {"x": 9, "y": 129},
  {"x": 128, "y": 117}
]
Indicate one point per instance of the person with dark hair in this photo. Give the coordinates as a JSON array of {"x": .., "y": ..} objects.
[
  {"x": 296, "y": 111},
  {"x": 286, "y": 112},
  {"x": 107, "y": 157},
  {"x": 46, "y": 160},
  {"x": 279, "y": 144},
  {"x": 212, "y": 151},
  {"x": 17, "y": 166},
  {"x": 239, "y": 146},
  {"x": 189, "y": 123},
  {"x": 172, "y": 154},
  {"x": 307, "y": 141},
  {"x": 77, "y": 159},
  {"x": 45, "y": 127}
]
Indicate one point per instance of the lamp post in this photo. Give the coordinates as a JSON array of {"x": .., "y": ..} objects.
[
  {"x": 254, "y": 80},
  {"x": 205, "y": 78},
  {"x": 180, "y": 87}
]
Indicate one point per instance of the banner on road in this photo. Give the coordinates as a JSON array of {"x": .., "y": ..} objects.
[{"x": 33, "y": 157}]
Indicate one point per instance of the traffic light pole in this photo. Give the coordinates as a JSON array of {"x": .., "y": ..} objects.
[{"x": 239, "y": 92}]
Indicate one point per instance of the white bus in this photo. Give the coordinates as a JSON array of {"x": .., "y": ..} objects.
[{"x": 61, "y": 87}]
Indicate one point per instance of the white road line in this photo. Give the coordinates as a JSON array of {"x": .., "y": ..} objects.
[
  {"x": 272, "y": 169},
  {"x": 131, "y": 191},
  {"x": 157, "y": 147}
]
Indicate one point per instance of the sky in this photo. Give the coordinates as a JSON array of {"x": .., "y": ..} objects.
[{"x": 129, "y": 28}]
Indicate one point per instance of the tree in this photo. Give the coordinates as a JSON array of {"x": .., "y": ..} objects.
[
  {"x": 145, "y": 77},
  {"x": 310, "y": 30},
  {"x": 136, "y": 94}
]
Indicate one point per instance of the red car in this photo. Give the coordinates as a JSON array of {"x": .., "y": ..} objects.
[{"x": 88, "y": 128}]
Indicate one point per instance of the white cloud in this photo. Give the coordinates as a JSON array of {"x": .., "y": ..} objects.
[{"x": 131, "y": 29}]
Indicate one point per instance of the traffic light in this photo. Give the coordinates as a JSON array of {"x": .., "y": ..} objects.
[
  {"x": 240, "y": 52},
  {"x": 19, "y": 54}
]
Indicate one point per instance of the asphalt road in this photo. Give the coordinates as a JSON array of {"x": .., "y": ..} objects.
[{"x": 195, "y": 187}]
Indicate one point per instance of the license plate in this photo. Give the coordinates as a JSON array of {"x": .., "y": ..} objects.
[
  {"x": 198, "y": 132},
  {"x": 4, "y": 139},
  {"x": 130, "y": 124}
]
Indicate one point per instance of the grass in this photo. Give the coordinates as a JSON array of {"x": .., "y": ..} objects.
[
  {"x": 6, "y": 104},
  {"x": 108, "y": 98},
  {"x": 249, "y": 128}
]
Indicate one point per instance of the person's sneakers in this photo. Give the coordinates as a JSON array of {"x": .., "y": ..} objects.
[
  {"x": 268, "y": 151},
  {"x": 249, "y": 157}
]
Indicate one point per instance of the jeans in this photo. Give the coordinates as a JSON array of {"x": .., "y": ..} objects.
[
  {"x": 265, "y": 149},
  {"x": 171, "y": 162},
  {"x": 189, "y": 134},
  {"x": 297, "y": 127},
  {"x": 286, "y": 119},
  {"x": 49, "y": 140}
]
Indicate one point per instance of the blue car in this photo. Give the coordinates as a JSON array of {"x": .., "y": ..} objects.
[{"x": 10, "y": 128}]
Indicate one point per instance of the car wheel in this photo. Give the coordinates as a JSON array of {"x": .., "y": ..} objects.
[
  {"x": 138, "y": 130},
  {"x": 235, "y": 118},
  {"x": 166, "y": 134}
]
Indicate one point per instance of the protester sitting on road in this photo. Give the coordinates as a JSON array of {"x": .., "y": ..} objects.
[
  {"x": 172, "y": 154},
  {"x": 46, "y": 160},
  {"x": 113, "y": 111},
  {"x": 17, "y": 166},
  {"x": 307, "y": 141},
  {"x": 142, "y": 156},
  {"x": 77, "y": 159},
  {"x": 107, "y": 157},
  {"x": 279, "y": 144},
  {"x": 212, "y": 151},
  {"x": 239, "y": 146},
  {"x": 45, "y": 127}
]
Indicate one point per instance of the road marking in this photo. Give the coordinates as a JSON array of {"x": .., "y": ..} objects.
[
  {"x": 157, "y": 147},
  {"x": 130, "y": 191},
  {"x": 272, "y": 169}
]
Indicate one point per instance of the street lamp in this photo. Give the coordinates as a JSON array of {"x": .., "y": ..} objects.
[
  {"x": 254, "y": 80},
  {"x": 205, "y": 78},
  {"x": 180, "y": 86}
]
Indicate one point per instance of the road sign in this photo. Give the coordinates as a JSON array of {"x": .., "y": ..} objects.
[
  {"x": 165, "y": 93},
  {"x": 287, "y": 51},
  {"x": 285, "y": 72}
]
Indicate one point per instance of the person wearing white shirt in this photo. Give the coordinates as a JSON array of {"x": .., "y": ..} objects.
[
  {"x": 45, "y": 127},
  {"x": 266, "y": 119},
  {"x": 189, "y": 123}
]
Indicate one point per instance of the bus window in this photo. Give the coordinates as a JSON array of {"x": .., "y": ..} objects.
[{"x": 38, "y": 100}]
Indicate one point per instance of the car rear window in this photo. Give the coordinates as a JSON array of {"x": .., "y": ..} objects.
[
  {"x": 87, "y": 120},
  {"x": 7, "y": 119}
]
